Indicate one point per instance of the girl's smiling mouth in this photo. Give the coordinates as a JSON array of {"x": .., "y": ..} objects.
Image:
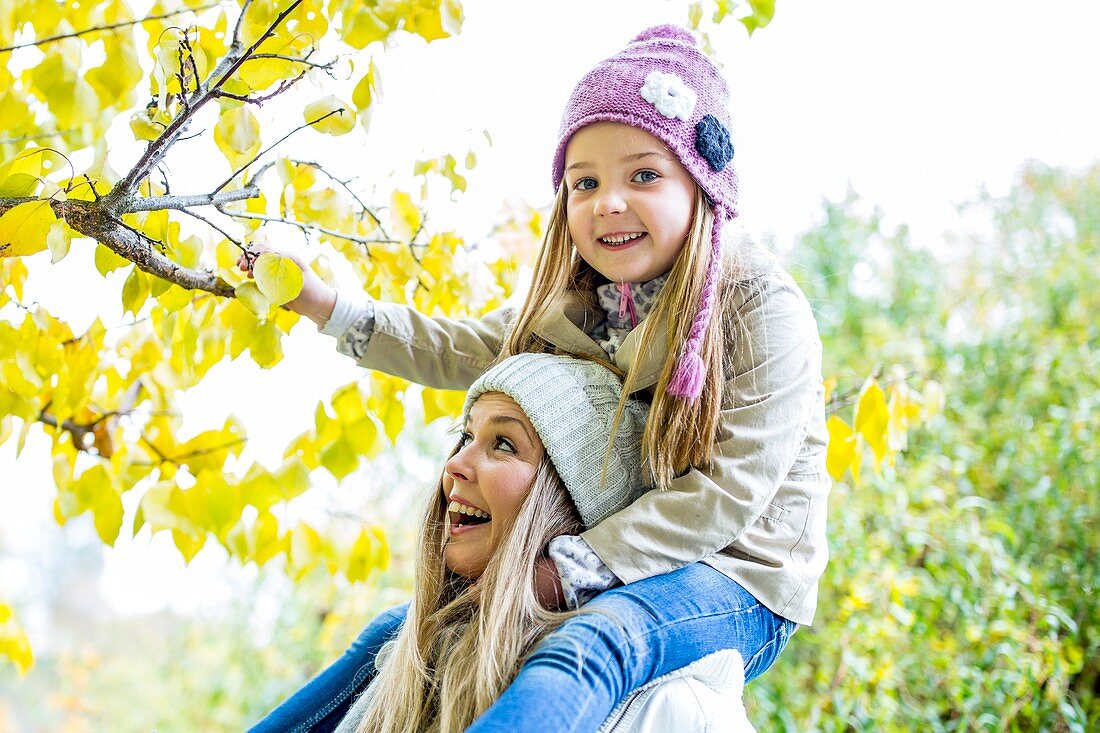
[{"x": 620, "y": 239}]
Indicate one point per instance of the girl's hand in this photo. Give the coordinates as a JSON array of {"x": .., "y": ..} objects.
[{"x": 316, "y": 300}]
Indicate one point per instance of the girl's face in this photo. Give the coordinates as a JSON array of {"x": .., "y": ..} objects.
[
  {"x": 629, "y": 201},
  {"x": 485, "y": 482}
]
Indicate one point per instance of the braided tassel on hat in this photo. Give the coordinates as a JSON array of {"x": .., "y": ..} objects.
[{"x": 690, "y": 373}]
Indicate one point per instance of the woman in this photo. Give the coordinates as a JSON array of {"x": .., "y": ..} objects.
[{"x": 542, "y": 453}]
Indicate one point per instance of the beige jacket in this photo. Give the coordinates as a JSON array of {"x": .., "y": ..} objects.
[{"x": 757, "y": 513}]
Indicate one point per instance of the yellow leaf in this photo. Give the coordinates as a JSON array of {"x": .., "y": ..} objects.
[
  {"x": 367, "y": 92},
  {"x": 339, "y": 457},
  {"x": 405, "y": 214},
  {"x": 364, "y": 27},
  {"x": 23, "y": 228},
  {"x": 107, "y": 260},
  {"x": 58, "y": 240},
  {"x": 266, "y": 346},
  {"x": 279, "y": 278},
  {"x": 843, "y": 452},
  {"x": 237, "y": 135},
  {"x": 330, "y": 115},
  {"x": 872, "y": 418},
  {"x": 442, "y": 403},
  {"x": 188, "y": 251},
  {"x": 360, "y": 559},
  {"x": 13, "y": 642},
  {"x": 144, "y": 126},
  {"x": 135, "y": 291},
  {"x": 21, "y": 175}
]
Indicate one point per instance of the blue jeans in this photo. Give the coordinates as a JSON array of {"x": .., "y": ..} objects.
[{"x": 579, "y": 673}]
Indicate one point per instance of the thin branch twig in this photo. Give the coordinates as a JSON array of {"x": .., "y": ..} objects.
[
  {"x": 309, "y": 227},
  {"x": 260, "y": 154},
  {"x": 212, "y": 225},
  {"x": 111, "y": 27}
]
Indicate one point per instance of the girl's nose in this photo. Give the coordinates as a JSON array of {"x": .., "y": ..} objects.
[{"x": 609, "y": 201}]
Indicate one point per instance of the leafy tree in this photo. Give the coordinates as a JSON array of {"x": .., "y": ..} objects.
[
  {"x": 960, "y": 593},
  {"x": 109, "y": 397}
]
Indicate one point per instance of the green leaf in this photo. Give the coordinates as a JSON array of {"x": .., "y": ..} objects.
[{"x": 279, "y": 278}]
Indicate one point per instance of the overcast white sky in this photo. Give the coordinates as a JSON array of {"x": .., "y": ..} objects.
[{"x": 915, "y": 105}]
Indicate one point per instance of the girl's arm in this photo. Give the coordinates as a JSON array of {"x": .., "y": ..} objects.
[
  {"x": 445, "y": 353},
  {"x": 772, "y": 417}
]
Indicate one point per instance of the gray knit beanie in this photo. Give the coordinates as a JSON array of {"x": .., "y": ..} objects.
[{"x": 571, "y": 404}]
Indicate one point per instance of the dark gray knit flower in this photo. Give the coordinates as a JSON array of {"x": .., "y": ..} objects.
[{"x": 712, "y": 140}]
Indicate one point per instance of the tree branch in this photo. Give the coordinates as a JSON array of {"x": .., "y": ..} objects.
[
  {"x": 113, "y": 26},
  {"x": 92, "y": 221},
  {"x": 157, "y": 149},
  {"x": 160, "y": 203}
]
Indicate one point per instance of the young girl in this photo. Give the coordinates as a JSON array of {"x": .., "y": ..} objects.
[{"x": 641, "y": 268}]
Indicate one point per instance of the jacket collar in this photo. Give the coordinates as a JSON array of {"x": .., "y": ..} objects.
[{"x": 567, "y": 328}]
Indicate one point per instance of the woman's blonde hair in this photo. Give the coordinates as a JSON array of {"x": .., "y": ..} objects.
[
  {"x": 463, "y": 641},
  {"x": 679, "y": 433}
]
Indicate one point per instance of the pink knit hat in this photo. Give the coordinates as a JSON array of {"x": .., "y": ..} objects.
[{"x": 664, "y": 84}]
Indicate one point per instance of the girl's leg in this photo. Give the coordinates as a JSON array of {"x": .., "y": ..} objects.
[
  {"x": 627, "y": 637},
  {"x": 322, "y": 703}
]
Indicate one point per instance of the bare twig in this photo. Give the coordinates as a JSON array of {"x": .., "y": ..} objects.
[
  {"x": 283, "y": 86},
  {"x": 327, "y": 67},
  {"x": 309, "y": 227},
  {"x": 212, "y": 225},
  {"x": 344, "y": 184},
  {"x": 36, "y": 136},
  {"x": 111, "y": 27},
  {"x": 260, "y": 154}
]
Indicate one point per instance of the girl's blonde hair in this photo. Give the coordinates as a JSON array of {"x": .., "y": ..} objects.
[
  {"x": 463, "y": 641},
  {"x": 679, "y": 433}
]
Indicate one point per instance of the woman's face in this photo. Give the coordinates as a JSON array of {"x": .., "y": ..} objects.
[{"x": 485, "y": 482}]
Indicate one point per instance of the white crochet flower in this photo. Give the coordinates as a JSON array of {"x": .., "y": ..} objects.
[{"x": 669, "y": 94}]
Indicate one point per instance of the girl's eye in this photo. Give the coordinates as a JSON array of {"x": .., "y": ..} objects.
[
  {"x": 505, "y": 445},
  {"x": 464, "y": 439},
  {"x": 645, "y": 176},
  {"x": 585, "y": 184}
]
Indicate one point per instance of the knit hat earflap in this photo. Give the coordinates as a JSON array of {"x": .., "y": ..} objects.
[
  {"x": 664, "y": 84},
  {"x": 571, "y": 403}
]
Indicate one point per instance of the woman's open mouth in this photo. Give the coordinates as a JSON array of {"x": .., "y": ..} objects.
[{"x": 463, "y": 517}]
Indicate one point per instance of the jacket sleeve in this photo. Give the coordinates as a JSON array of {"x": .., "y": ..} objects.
[
  {"x": 771, "y": 393},
  {"x": 437, "y": 352}
]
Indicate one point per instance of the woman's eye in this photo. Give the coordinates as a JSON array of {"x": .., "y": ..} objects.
[
  {"x": 585, "y": 184},
  {"x": 505, "y": 445},
  {"x": 463, "y": 439},
  {"x": 645, "y": 176}
]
